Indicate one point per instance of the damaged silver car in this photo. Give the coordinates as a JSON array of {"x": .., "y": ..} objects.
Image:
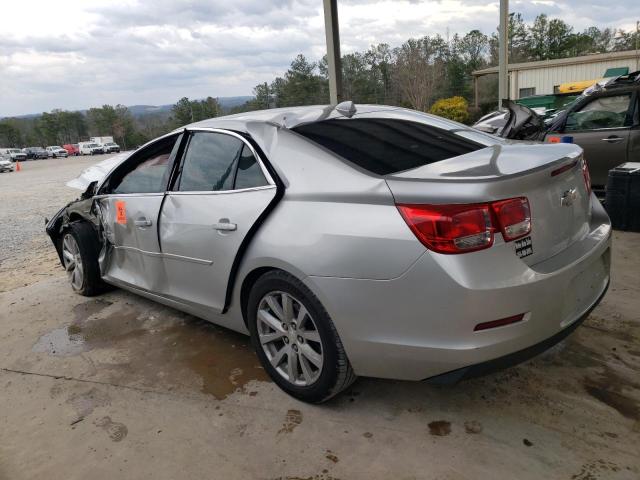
[{"x": 369, "y": 240}]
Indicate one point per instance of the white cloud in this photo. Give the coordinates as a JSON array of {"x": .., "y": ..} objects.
[{"x": 76, "y": 54}]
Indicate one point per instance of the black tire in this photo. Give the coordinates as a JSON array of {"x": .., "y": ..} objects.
[
  {"x": 88, "y": 244},
  {"x": 336, "y": 373}
]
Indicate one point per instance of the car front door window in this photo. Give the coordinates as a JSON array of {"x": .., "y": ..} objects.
[
  {"x": 603, "y": 112},
  {"x": 147, "y": 171}
]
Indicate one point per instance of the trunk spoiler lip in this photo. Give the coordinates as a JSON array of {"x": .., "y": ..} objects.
[{"x": 572, "y": 154}]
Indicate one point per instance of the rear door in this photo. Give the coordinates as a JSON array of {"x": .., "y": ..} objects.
[
  {"x": 221, "y": 189},
  {"x": 129, "y": 204},
  {"x": 602, "y": 128}
]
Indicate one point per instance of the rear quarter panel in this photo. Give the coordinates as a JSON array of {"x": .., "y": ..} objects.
[{"x": 333, "y": 220}]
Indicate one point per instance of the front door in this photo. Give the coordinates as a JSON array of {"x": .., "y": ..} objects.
[
  {"x": 129, "y": 205},
  {"x": 602, "y": 128},
  {"x": 221, "y": 190}
]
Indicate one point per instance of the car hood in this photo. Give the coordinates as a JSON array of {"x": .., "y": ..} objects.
[{"x": 97, "y": 172}]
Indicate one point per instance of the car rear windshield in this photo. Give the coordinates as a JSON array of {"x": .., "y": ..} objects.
[{"x": 383, "y": 146}]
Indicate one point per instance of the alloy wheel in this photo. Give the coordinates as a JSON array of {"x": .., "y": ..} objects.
[
  {"x": 290, "y": 338},
  {"x": 72, "y": 261}
]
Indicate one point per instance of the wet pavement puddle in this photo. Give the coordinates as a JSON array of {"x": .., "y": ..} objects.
[{"x": 156, "y": 348}]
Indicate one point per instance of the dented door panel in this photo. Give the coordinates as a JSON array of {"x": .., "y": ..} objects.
[{"x": 129, "y": 223}]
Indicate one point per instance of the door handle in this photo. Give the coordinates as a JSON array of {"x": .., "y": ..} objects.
[
  {"x": 225, "y": 226},
  {"x": 613, "y": 139},
  {"x": 142, "y": 222}
]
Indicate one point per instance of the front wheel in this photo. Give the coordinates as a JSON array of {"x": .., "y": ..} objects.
[
  {"x": 296, "y": 340},
  {"x": 80, "y": 250}
]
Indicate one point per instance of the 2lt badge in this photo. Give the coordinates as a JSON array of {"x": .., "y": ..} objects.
[{"x": 524, "y": 247}]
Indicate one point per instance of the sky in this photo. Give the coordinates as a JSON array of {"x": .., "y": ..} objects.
[{"x": 75, "y": 54}]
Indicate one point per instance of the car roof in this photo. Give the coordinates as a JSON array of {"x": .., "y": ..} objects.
[
  {"x": 291, "y": 117},
  {"x": 288, "y": 117}
]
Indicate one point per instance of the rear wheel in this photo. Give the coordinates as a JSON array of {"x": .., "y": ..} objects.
[
  {"x": 80, "y": 250},
  {"x": 296, "y": 340}
]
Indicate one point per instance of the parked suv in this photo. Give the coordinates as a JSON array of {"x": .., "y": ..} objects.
[
  {"x": 56, "y": 152},
  {"x": 110, "y": 147},
  {"x": 604, "y": 121},
  {"x": 13, "y": 154},
  {"x": 36, "y": 152},
  {"x": 89, "y": 148}
]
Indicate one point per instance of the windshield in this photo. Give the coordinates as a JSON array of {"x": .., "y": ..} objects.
[{"x": 14, "y": 150}]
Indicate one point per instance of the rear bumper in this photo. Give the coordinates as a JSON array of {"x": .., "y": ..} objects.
[
  {"x": 514, "y": 358},
  {"x": 421, "y": 324}
]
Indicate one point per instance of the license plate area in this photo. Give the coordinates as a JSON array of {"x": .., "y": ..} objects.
[{"x": 585, "y": 288}]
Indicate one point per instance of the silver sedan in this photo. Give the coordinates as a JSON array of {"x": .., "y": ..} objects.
[{"x": 349, "y": 240}]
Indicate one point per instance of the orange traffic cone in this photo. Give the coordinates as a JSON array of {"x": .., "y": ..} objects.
[{"x": 18, "y": 167}]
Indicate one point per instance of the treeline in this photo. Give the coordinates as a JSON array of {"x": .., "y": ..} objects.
[
  {"x": 422, "y": 70},
  {"x": 414, "y": 74},
  {"x": 60, "y": 127}
]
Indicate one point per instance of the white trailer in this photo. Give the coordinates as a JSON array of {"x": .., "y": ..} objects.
[{"x": 101, "y": 140}]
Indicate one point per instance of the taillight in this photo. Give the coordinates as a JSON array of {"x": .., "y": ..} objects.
[
  {"x": 514, "y": 217},
  {"x": 587, "y": 176},
  {"x": 462, "y": 228},
  {"x": 450, "y": 228}
]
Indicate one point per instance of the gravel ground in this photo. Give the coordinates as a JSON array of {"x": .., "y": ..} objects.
[{"x": 27, "y": 198}]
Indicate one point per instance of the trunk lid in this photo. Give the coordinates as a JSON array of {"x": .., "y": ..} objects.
[{"x": 549, "y": 175}]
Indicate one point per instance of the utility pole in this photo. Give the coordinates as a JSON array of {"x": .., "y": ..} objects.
[
  {"x": 333, "y": 50},
  {"x": 637, "y": 44},
  {"x": 503, "y": 60}
]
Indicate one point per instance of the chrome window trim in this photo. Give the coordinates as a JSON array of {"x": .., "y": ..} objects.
[
  {"x": 605, "y": 129},
  {"x": 221, "y": 192},
  {"x": 128, "y": 195},
  {"x": 223, "y": 131},
  {"x": 265, "y": 172}
]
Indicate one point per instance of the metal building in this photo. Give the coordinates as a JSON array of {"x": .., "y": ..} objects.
[{"x": 544, "y": 77}]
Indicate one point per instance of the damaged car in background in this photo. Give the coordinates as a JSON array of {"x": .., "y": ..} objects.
[
  {"x": 604, "y": 121},
  {"x": 349, "y": 241}
]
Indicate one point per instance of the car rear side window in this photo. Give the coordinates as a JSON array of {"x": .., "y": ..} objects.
[
  {"x": 249, "y": 173},
  {"x": 209, "y": 162},
  {"x": 383, "y": 146}
]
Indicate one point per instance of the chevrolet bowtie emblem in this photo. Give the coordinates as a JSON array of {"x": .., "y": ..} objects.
[{"x": 568, "y": 197}]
